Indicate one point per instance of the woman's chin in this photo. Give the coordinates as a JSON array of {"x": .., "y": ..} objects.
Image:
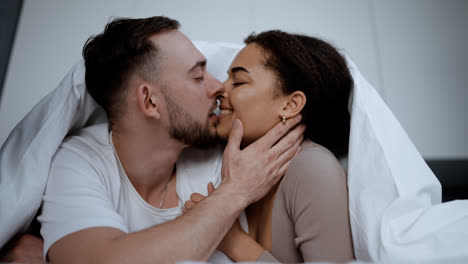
[{"x": 223, "y": 132}]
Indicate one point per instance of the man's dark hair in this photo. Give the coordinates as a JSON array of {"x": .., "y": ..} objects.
[
  {"x": 123, "y": 49},
  {"x": 316, "y": 68}
]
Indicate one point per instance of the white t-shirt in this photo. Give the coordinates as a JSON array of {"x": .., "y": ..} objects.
[{"x": 87, "y": 187}]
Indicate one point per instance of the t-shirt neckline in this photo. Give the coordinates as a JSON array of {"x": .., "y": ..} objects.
[{"x": 173, "y": 211}]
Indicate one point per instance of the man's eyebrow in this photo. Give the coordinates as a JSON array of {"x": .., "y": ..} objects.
[
  {"x": 237, "y": 69},
  {"x": 200, "y": 63}
]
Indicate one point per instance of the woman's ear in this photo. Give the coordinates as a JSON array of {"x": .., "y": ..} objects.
[
  {"x": 293, "y": 104},
  {"x": 148, "y": 101}
]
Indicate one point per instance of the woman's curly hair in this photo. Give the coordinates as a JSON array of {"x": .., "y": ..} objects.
[{"x": 310, "y": 65}]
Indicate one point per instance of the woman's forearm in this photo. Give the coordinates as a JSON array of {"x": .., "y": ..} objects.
[{"x": 241, "y": 248}]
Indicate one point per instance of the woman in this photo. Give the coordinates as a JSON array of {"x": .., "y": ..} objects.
[{"x": 305, "y": 216}]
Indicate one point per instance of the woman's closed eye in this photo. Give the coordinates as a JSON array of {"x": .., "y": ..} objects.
[{"x": 235, "y": 84}]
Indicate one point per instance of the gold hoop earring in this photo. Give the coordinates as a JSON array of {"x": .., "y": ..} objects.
[{"x": 283, "y": 119}]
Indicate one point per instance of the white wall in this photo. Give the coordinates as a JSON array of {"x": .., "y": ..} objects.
[
  {"x": 424, "y": 53},
  {"x": 412, "y": 51}
]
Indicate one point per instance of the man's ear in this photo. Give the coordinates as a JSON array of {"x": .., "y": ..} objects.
[
  {"x": 148, "y": 101},
  {"x": 293, "y": 104}
]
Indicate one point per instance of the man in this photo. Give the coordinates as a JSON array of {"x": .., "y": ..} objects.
[{"x": 153, "y": 84}]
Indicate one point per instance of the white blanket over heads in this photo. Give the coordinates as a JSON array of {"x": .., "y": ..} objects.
[
  {"x": 395, "y": 200},
  {"x": 26, "y": 155}
]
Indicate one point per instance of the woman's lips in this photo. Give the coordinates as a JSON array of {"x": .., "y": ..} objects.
[{"x": 224, "y": 112}]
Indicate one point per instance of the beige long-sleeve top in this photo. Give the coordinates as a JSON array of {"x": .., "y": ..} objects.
[{"x": 310, "y": 219}]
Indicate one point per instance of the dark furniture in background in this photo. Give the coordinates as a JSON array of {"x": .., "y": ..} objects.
[
  {"x": 9, "y": 16},
  {"x": 453, "y": 175}
]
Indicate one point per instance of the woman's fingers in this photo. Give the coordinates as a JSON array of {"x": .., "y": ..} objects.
[
  {"x": 196, "y": 197},
  {"x": 211, "y": 188},
  {"x": 189, "y": 205}
]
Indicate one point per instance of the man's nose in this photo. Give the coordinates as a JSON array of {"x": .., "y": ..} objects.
[{"x": 215, "y": 88}]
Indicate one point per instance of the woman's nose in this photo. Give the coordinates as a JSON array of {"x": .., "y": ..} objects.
[{"x": 227, "y": 87}]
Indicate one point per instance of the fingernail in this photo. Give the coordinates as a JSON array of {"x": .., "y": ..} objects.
[
  {"x": 298, "y": 118},
  {"x": 236, "y": 123}
]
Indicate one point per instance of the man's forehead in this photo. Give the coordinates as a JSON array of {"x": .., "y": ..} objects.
[{"x": 175, "y": 48}]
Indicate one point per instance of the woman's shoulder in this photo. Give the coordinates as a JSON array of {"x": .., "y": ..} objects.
[
  {"x": 314, "y": 158},
  {"x": 315, "y": 180},
  {"x": 313, "y": 169},
  {"x": 309, "y": 148}
]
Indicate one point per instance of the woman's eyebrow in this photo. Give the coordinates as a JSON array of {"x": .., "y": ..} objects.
[{"x": 237, "y": 69}]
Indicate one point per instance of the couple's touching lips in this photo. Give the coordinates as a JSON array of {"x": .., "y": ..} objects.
[{"x": 212, "y": 115}]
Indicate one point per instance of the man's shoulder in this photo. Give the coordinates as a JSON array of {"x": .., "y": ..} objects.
[
  {"x": 86, "y": 156},
  {"x": 90, "y": 145},
  {"x": 92, "y": 139}
]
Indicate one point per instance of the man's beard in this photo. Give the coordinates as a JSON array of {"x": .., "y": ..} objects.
[{"x": 184, "y": 128}]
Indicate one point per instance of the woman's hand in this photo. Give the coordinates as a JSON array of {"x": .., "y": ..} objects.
[
  {"x": 195, "y": 198},
  {"x": 237, "y": 244}
]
